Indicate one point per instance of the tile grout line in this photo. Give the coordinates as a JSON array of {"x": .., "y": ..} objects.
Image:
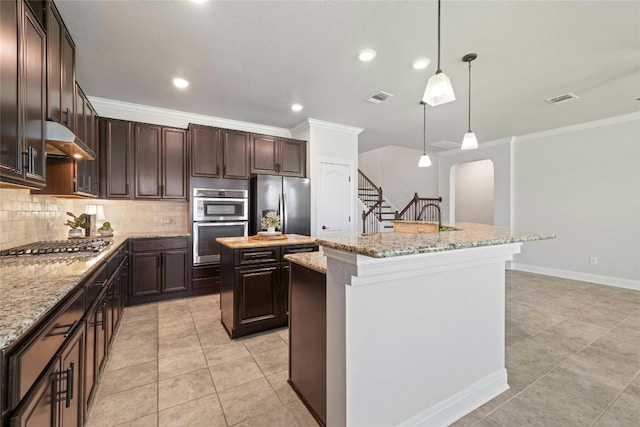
[
  {"x": 209, "y": 370},
  {"x": 559, "y": 364},
  {"x": 614, "y": 399}
]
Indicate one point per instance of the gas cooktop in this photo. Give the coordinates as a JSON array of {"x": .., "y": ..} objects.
[{"x": 70, "y": 246}]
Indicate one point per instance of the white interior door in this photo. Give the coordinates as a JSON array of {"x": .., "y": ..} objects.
[{"x": 334, "y": 200}]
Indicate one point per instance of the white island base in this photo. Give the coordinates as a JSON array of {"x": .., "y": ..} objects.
[{"x": 415, "y": 340}]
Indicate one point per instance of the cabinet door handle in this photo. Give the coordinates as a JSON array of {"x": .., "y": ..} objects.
[
  {"x": 224, "y": 170},
  {"x": 32, "y": 160},
  {"x": 104, "y": 314},
  {"x": 217, "y": 169},
  {"x": 70, "y": 370}
]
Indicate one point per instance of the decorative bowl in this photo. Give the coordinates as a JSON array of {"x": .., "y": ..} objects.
[{"x": 106, "y": 233}]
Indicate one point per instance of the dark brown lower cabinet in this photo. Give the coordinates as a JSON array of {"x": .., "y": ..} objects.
[
  {"x": 159, "y": 269},
  {"x": 254, "y": 287},
  {"x": 308, "y": 339},
  {"x": 205, "y": 278},
  {"x": 56, "y": 400}
]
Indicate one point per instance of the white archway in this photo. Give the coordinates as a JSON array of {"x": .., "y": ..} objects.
[{"x": 472, "y": 192}]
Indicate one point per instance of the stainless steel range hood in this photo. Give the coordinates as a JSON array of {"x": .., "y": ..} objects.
[{"x": 61, "y": 141}]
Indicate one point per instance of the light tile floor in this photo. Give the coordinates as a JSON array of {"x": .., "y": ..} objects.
[{"x": 572, "y": 355}]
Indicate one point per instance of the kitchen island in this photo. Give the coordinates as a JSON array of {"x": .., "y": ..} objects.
[
  {"x": 415, "y": 324},
  {"x": 254, "y": 281}
]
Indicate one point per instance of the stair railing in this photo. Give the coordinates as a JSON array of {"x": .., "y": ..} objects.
[
  {"x": 370, "y": 223},
  {"x": 421, "y": 209}
]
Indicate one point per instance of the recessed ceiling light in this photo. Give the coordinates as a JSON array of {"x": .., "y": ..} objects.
[
  {"x": 421, "y": 63},
  {"x": 180, "y": 83},
  {"x": 199, "y": 1},
  {"x": 367, "y": 55},
  {"x": 297, "y": 107}
]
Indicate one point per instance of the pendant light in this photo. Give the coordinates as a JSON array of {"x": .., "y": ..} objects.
[
  {"x": 439, "y": 90},
  {"x": 469, "y": 142},
  {"x": 424, "y": 161}
]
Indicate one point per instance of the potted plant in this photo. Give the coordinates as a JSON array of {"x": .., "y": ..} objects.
[
  {"x": 106, "y": 230},
  {"x": 77, "y": 224},
  {"x": 270, "y": 221}
]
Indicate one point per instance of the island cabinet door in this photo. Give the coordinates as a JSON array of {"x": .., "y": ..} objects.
[
  {"x": 257, "y": 298},
  {"x": 39, "y": 407}
]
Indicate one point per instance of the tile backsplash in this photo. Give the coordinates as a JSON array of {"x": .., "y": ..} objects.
[{"x": 27, "y": 218}]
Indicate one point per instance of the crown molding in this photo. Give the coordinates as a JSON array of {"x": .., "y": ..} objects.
[
  {"x": 581, "y": 126},
  {"x": 161, "y": 116},
  {"x": 331, "y": 126}
]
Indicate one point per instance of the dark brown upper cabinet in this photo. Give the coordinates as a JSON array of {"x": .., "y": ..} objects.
[
  {"x": 174, "y": 163},
  {"x": 235, "y": 148},
  {"x": 147, "y": 154},
  {"x": 160, "y": 155},
  {"x": 23, "y": 97},
  {"x": 206, "y": 151},
  {"x": 278, "y": 156},
  {"x": 61, "y": 70},
  {"x": 116, "y": 159},
  {"x": 75, "y": 177}
]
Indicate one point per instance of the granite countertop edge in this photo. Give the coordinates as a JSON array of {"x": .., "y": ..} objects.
[
  {"x": 312, "y": 260},
  {"x": 248, "y": 242},
  {"x": 469, "y": 235}
]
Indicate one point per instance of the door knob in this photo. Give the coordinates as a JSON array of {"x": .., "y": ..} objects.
[{"x": 324, "y": 227}]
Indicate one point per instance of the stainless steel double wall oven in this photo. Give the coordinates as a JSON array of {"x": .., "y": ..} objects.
[{"x": 217, "y": 213}]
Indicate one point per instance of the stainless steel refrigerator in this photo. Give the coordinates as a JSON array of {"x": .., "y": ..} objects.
[{"x": 289, "y": 197}]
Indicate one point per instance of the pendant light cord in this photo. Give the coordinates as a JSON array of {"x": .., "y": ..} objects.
[
  {"x": 438, "y": 70},
  {"x": 424, "y": 129},
  {"x": 469, "y": 96}
]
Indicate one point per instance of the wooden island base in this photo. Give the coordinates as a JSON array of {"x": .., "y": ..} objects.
[
  {"x": 254, "y": 281},
  {"x": 308, "y": 339}
]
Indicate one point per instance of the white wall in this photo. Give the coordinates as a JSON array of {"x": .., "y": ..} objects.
[
  {"x": 396, "y": 170},
  {"x": 329, "y": 142},
  {"x": 499, "y": 152},
  {"x": 474, "y": 191},
  {"x": 582, "y": 183}
]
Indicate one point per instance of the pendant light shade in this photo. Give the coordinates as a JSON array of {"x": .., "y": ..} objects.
[
  {"x": 469, "y": 142},
  {"x": 424, "y": 161},
  {"x": 439, "y": 89}
]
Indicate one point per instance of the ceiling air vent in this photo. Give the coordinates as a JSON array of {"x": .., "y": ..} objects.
[
  {"x": 379, "y": 97},
  {"x": 562, "y": 98}
]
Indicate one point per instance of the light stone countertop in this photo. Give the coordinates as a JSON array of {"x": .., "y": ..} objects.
[
  {"x": 31, "y": 285},
  {"x": 249, "y": 242},
  {"x": 313, "y": 260},
  {"x": 469, "y": 235}
]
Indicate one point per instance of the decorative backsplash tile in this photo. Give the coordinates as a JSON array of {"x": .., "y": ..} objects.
[{"x": 27, "y": 218}]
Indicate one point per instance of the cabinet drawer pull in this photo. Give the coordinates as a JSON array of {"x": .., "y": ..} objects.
[{"x": 69, "y": 327}]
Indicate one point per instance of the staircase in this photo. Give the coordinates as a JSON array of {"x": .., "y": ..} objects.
[{"x": 379, "y": 212}]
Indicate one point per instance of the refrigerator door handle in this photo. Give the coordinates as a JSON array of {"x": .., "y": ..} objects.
[{"x": 284, "y": 214}]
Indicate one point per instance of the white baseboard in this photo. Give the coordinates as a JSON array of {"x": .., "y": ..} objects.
[
  {"x": 576, "y": 275},
  {"x": 461, "y": 403}
]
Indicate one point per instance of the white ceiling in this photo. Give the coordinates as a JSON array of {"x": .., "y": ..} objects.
[{"x": 250, "y": 60}]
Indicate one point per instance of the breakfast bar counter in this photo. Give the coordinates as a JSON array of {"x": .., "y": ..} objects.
[{"x": 415, "y": 324}]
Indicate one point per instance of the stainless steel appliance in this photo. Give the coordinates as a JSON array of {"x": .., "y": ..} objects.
[
  {"x": 290, "y": 197},
  {"x": 220, "y": 205},
  {"x": 216, "y": 213}
]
